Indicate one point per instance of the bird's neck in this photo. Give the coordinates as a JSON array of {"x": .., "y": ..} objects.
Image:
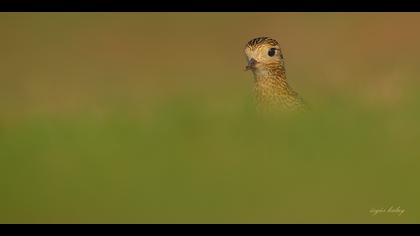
[
  {"x": 271, "y": 83},
  {"x": 273, "y": 91}
]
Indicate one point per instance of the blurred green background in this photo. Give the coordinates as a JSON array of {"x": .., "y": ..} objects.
[{"x": 149, "y": 118}]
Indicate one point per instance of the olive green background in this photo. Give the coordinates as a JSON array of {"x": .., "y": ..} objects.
[{"x": 149, "y": 118}]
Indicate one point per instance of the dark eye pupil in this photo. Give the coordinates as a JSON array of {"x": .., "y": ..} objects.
[{"x": 271, "y": 52}]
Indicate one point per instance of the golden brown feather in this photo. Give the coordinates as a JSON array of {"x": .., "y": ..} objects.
[{"x": 273, "y": 92}]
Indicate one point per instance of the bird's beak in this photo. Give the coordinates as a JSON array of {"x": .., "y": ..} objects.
[{"x": 251, "y": 64}]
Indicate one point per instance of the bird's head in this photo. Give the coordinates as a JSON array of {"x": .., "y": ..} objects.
[{"x": 262, "y": 54}]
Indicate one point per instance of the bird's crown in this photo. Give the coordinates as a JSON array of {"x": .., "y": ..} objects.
[{"x": 261, "y": 41}]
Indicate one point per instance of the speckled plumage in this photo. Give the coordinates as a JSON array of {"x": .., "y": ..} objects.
[{"x": 271, "y": 87}]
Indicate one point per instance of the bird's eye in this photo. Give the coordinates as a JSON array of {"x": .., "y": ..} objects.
[{"x": 271, "y": 52}]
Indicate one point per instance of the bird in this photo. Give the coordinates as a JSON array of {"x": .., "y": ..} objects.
[{"x": 272, "y": 90}]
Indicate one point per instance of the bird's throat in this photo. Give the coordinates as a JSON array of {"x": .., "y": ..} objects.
[
  {"x": 271, "y": 87},
  {"x": 272, "y": 83}
]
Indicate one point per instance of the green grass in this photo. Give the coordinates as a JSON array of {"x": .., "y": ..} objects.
[{"x": 189, "y": 163}]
